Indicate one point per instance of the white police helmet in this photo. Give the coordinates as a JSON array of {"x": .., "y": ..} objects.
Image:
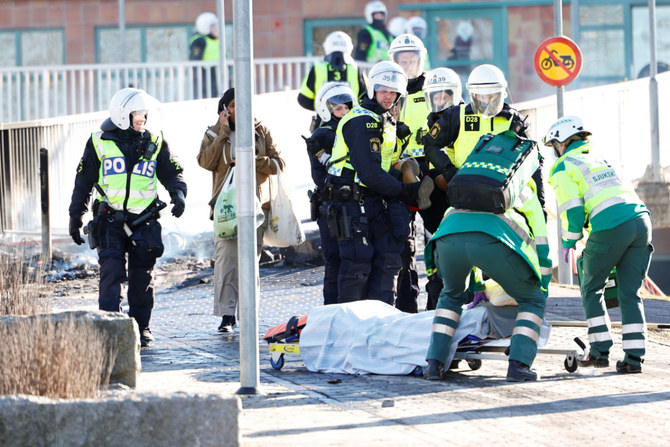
[
  {"x": 126, "y": 101},
  {"x": 204, "y": 22},
  {"x": 387, "y": 74},
  {"x": 408, "y": 43},
  {"x": 331, "y": 95},
  {"x": 338, "y": 41},
  {"x": 563, "y": 129},
  {"x": 487, "y": 88},
  {"x": 417, "y": 25},
  {"x": 438, "y": 82},
  {"x": 373, "y": 7},
  {"x": 397, "y": 26}
]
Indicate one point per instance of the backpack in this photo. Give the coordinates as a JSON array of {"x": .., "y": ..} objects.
[{"x": 494, "y": 174}]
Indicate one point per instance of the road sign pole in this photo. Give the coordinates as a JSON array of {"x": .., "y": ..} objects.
[{"x": 564, "y": 274}]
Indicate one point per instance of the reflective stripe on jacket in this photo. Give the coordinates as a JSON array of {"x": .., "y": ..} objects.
[
  {"x": 414, "y": 113},
  {"x": 588, "y": 190},
  {"x": 134, "y": 191}
]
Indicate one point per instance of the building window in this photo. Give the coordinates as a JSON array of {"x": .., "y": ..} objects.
[
  {"x": 33, "y": 47},
  {"x": 317, "y": 30},
  {"x": 640, "y": 39},
  {"x": 150, "y": 43}
]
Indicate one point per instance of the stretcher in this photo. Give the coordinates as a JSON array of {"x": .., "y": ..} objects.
[{"x": 285, "y": 338}]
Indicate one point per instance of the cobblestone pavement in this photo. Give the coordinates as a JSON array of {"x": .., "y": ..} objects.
[{"x": 299, "y": 407}]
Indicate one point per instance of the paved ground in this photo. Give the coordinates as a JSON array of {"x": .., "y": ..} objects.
[{"x": 299, "y": 407}]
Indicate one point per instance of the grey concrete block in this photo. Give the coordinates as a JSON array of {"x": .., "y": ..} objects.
[
  {"x": 121, "y": 419},
  {"x": 121, "y": 332}
]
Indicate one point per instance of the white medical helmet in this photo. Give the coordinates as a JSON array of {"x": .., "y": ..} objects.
[
  {"x": 487, "y": 80},
  {"x": 397, "y": 26},
  {"x": 417, "y": 25},
  {"x": 408, "y": 43},
  {"x": 438, "y": 80},
  {"x": 563, "y": 129},
  {"x": 373, "y": 7},
  {"x": 331, "y": 95},
  {"x": 338, "y": 41},
  {"x": 387, "y": 74},
  {"x": 129, "y": 100},
  {"x": 204, "y": 22}
]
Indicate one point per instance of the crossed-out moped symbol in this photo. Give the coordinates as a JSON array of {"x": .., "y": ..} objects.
[{"x": 549, "y": 62}]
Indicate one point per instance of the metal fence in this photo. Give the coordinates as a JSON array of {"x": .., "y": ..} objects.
[{"x": 29, "y": 93}]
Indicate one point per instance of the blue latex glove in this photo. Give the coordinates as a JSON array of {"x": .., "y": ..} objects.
[
  {"x": 566, "y": 254},
  {"x": 479, "y": 297}
]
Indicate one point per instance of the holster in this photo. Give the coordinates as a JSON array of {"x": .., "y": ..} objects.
[
  {"x": 89, "y": 230},
  {"x": 314, "y": 203}
]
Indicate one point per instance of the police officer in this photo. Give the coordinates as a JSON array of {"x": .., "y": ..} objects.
[
  {"x": 373, "y": 40},
  {"x": 360, "y": 189},
  {"x": 333, "y": 101},
  {"x": 512, "y": 249},
  {"x": 590, "y": 194},
  {"x": 459, "y": 128},
  {"x": 409, "y": 52},
  {"x": 204, "y": 46},
  {"x": 126, "y": 161},
  {"x": 442, "y": 89}
]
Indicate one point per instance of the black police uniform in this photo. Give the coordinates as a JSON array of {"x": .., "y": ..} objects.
[
  {"x": 113, "y": 242},
  {"x": 323, "y": 139},
  {"x": 368, "y": 242}
]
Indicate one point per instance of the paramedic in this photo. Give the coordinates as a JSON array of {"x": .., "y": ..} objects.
[
  {"x": 590, "y": 194},
  {"x": 512, "y": 249}
]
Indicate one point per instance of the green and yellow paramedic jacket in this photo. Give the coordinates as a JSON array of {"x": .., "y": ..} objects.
[
  {"x": 211, "y": 50},
  {"x": 375, "y": 141},
  {"x": 522, "y": 228},
  {"x": 323, "y": 72},
  {"x": 134, "y": 191},
  {"x": 590, "y": 193}
]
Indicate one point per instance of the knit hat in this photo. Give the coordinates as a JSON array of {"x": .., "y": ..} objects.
[{"x": 228, "y": 96}]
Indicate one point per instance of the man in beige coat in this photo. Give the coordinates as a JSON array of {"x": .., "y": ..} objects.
[{"x": 217, "y": 154}]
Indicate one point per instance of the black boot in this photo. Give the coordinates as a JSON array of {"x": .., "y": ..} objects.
[
  {"x": 623, "y": 367},
  {"x": 595, "y": 361},
  {"x": 433, "y": 371},
  {"x": 520, "y": 372},
  {"x": 145, "y": 337},
  {"x": 227, "y": 323}
]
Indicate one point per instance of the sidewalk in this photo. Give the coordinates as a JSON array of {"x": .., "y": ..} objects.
[{"x": 299, "y": 407}]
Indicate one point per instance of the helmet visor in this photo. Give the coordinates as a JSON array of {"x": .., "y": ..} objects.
[
  {"x": 410, "y": 61},
  {"x": 441, "y": 99},
  {"x": 487, "y": 104},
  {"x": 336, "y": 100}
]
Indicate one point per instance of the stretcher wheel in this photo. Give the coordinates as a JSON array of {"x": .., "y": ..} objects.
[
  {"x": 279, "y": 364},
  {"x": 570, "y": 364},
  {"x": 474, "y": 364}
]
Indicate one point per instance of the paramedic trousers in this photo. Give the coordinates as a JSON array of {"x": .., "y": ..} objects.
[
  {"x": 455, "y": 255},
  {"x": 369, "y": 254},
  {"x": 113, "y": 246},
  {"x": 628, "y": 248}
]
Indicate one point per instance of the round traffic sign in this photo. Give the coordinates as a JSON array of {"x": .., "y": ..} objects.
[{"x": 558, "y": 61}]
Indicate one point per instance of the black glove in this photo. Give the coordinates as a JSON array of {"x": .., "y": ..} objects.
[
  {"x": 75, "y": 225},
  {"x": 313, "y": 146},
  {"x": 179, "y": 204},
  {"x": 402, "y": 130}
]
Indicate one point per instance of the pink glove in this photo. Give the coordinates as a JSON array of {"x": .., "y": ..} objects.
[
  {"x": 479, "y": 297},
  {"x": 566, "y": 254}
]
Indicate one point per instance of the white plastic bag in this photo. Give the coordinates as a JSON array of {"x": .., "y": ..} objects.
[
  {"x": 225, "y": 209},
  {"x": 284, "y": 228}
]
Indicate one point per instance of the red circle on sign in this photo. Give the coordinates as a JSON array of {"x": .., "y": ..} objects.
[{"x": 558, "y": 61}]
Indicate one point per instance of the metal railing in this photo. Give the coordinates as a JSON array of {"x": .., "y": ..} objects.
[{"x": 29, "y": 93}]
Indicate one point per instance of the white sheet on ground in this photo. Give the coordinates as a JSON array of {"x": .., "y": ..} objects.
[{"x": 371, "y": 337}]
